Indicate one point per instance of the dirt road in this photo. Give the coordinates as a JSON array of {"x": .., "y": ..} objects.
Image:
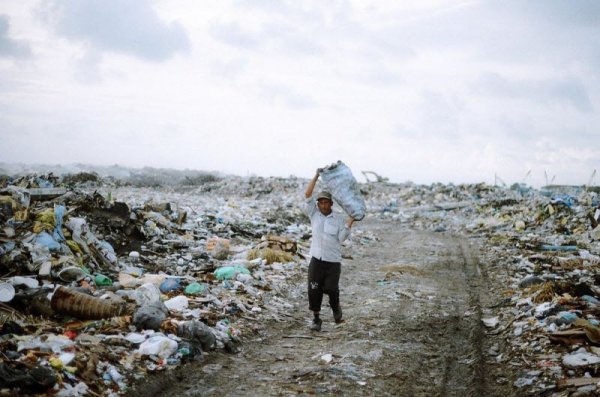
[{"x": 413, "y": 304}]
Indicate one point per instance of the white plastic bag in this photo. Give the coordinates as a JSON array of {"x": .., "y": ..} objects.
[
  {"x": 343, "y": 187},
  {"x": 178, "y": 303},
  {"x": 146, "y": 294},
  {"x": 158, "y": 345}
]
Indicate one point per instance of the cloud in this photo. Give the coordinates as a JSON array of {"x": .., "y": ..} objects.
[
  {"x": 576, "y": 13},
  {"x": 548, "y": 92},
  {"x": 289, "y": 38},
  {"x": 523, "y": 32},
  {"x": 270, "y": 6},
  {"x": 229, "y": 69},
  {"x": 233, "y": 34},
  {"x": 559, "y": 32},
  {"x": 276, "y": 37},
  {"x": 11, "y": 47},
  {"x": 378, "y": 74},
  {"x": 435, "y": 90},
  {"x": 129, "y": 27},
  {"x": 279, "y": 93},
  {"x": 88, "y": 68},
  {"x": 441, "y": 114},
  {"x": 304, "y": 28}
]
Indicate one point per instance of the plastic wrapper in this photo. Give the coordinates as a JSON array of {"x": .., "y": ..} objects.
[
  {"x": 230, "y": 272},
  {"x": 146, "y": 294},
  {"x": 343, "y": 187},
  {"x": 158, "y": 345},
  {"x": 150, "y": 316},
  {"x": 177, "y": 303},
  {"x": 198, "y": 333}
]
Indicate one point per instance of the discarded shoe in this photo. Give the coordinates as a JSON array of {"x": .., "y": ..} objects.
[
  {"x": 316, "y": 324},
  {"x": 337, "y": 315}
]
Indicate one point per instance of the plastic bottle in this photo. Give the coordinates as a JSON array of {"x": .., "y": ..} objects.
[
  {"x": 116, "y": 377},
  {"x": 102, "y": 281}
]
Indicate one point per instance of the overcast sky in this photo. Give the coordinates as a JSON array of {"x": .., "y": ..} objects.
[{"x": 425, "y": 90}]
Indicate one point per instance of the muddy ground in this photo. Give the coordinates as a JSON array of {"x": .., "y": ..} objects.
[{"x": 413, "y": 303}]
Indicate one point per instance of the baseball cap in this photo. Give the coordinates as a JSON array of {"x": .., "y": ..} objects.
[{"x": 324, "y": 195}]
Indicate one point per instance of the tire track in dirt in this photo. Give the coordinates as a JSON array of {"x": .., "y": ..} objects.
[
  {"x": 440, "y": 336},
  {"x": 413, "y": 307}
]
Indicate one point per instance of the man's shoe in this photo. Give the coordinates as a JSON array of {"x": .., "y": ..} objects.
[
  {"x": 337, "y": 315},
  {"x": 316, "y": 324}
]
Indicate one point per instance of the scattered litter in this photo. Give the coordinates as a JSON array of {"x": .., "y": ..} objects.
[
  {"x": 491, "y": 322},
  {"x": 326, "y": 358},
  {"x": 134, "y": 277},
  {"x": 580, "y": 358}
]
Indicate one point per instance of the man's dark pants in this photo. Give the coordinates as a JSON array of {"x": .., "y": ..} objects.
[{"x": 323, "y": 278}]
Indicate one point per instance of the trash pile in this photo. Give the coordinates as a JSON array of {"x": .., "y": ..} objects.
[
  {"x": 101, "y": 285},
  {"x": 542, "y": 249}
]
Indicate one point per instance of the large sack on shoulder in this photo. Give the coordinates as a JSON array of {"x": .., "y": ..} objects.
[{"x": 343, "y": 187}]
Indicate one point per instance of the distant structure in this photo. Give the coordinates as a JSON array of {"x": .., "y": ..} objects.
[
  {"x": 497, "y": 180},
  {"x": 377, "y": 177}
]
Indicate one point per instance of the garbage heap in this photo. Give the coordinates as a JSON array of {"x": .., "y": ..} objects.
[
  {"x": 101, "y": 284},
  {"x": 541, "y": 251}
]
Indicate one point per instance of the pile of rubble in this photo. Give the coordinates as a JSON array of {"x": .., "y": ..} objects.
[
  {"x": 101, "y": 284},
  {"x": 542, "y": 248},
  {"x": 96, "y": 292}
]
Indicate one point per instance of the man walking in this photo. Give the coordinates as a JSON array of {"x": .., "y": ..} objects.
[{"x": 329, "y": 230}]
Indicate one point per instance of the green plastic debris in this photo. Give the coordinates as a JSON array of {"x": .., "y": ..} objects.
[
  {"x": 102, "y": 281},
  {"x": 229, "y": 272},
  {"x": 194, "y": 289}
]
